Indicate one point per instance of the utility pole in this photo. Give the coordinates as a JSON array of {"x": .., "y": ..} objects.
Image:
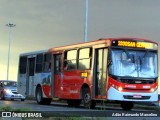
[
  {"x": 10, "y": 25},
  {"x": 86, "y": 21}
]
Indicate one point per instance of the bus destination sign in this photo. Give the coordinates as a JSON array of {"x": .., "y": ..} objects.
[{"x": 134, "y": 44}]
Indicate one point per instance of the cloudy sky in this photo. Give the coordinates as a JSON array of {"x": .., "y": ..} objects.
[{"x": 41, "y": 24}]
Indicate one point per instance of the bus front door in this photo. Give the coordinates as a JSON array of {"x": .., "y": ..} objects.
[
  {"x": 30, "y": 76},
  {"x": 100, "y": 74}
]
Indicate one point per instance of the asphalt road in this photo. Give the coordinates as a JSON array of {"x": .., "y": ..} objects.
[{"x": 62, "y": 109}]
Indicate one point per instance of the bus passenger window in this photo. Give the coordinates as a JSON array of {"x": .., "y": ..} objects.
[
  {"x": 84, "y": 60},
  {"x": 71, "y": 66},
  {"x": 39, "y": 63},
  {"x": 23, "y": 65},
  {"x": 47, "y": 66},
  {"x": 31, "y": 65},
  {"x": 47, "y": 62},
  {"x": 70, "y": 60},
  {"x": 65, "y": 65}
]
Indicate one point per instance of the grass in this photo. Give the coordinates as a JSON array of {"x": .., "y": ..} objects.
[{"x": 9, "y": 108}]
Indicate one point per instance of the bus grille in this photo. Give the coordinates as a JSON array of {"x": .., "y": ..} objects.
[
  {"x": 131, "y": 81},
  {"x": 131, "y": 97}
]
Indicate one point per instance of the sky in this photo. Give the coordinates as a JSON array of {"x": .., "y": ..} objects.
[{"x": 42, "y": 24}]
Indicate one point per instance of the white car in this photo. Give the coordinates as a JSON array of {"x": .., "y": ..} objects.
[{"x": 8, "y": 90}]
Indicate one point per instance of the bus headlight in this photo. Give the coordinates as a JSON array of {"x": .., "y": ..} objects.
[
  {"x": 120, "y": 89},
  {"x": 153, "y": 89}
]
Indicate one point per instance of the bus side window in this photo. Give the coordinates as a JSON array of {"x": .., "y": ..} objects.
[
  {"x": 47, "y": 62},
  {"x": 84, "y": 60},
  {"x": 23, "y": 65},
  {"x": 70, "y": 60},
  {"x": 65, "y": 65},
  {"x": 39, "y": 63}
]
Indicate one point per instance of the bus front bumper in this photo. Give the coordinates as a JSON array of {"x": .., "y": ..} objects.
[{"x": 114, "y": 94}]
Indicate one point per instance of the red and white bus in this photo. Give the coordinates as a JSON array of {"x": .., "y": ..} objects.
[{"x": 111, "y": 69}]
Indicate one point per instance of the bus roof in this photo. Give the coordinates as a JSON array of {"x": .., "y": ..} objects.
[
  {"x": 95, "y": 42},
  {"x": 34, "y": 52},
  {"x": 106, "y": 41},
  {"x": 87, "y": 44}
]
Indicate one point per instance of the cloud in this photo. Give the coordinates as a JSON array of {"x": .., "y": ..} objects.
[{"x": 43, "y": 24}]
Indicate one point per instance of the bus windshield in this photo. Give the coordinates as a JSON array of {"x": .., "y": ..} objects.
[{"x": 134, "y": 63}]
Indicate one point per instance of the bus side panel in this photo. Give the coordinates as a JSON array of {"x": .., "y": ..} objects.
[
  {"x": 46, "y": 84},
  {"x": 31, "y": 86},
  {"x": 22, "y": 84},
  {"x": 57, "y": 79},
  {"x": 72, "y": 83},
  {"x": 37, "y": 80}
]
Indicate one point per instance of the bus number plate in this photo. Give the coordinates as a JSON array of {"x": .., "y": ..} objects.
[{"x": 137, "y": 96}]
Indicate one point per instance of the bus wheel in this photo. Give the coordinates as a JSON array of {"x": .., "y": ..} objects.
[
  {"x": 39, "y": 96},
  {"x": 86, "y": 96},
  {"x": 127, "y": 105}
]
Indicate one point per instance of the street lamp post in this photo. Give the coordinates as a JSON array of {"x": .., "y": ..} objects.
[
  {"x": 10, "y": 25},
  {"x": 86, "y": 21}
]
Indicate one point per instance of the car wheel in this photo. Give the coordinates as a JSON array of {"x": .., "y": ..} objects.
[
  {"x": 22, "y": 99},
  {"x": 12, "y": 99}
]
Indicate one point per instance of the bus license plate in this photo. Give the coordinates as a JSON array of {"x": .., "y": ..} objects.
[{"x": 137, "y": 96}]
